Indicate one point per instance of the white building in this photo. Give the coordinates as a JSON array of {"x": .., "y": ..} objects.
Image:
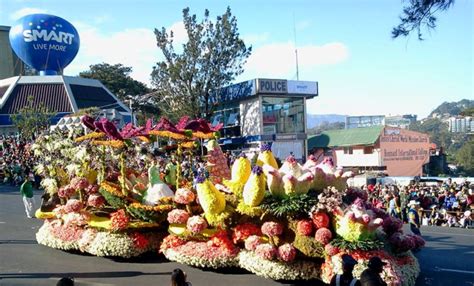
[{"x": 461, "y": 124}]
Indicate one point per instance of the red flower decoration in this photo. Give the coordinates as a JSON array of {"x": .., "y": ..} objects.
[
  {"x": 171, "y": 241},
  {"x": 304, "y": 227},
  {"x": 242, "y": 231},
  {"x": 140, "y": 241},
  {"x": 119, "y": 220},
  {"x": 320, "y": 219}
]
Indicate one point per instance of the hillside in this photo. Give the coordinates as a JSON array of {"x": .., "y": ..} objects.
[
  {"x": 451, "y": 108},
  {"x": 315, "y": 120}
]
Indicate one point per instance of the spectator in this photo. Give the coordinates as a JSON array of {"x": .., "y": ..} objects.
[
  {"x": 346, "y": 278},
  {"x": 26, "y": 191},
  {"x": 65, "y": 281},
  {"x": 178, "y": 278},
  {"x": 371, "y": 275},
  {"x": 414, "y": 217}
]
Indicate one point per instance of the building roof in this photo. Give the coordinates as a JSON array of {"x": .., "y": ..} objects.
[
  {"x": 346, "y": 137},
  {"x": 52, "y": 96}
]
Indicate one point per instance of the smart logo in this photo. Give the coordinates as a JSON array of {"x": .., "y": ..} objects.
[{"x": 46, "y": 43}]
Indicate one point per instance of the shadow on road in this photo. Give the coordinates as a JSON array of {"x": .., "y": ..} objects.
[
  {"x": 115, "y": 274},
  {"x": 18, "y": 241}
]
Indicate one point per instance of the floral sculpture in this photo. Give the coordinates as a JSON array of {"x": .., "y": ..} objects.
[{"x": 289, "y": 222}]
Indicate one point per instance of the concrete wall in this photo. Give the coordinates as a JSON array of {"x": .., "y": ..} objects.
[
  {"x": 10, "y": 65},
  {"x": 358, "y": 158},
  {"x": 251, "y": 117}
]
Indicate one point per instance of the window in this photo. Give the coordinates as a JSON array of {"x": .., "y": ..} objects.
[
  {"x": 348, "y": 150},
  {"x": 283, "y": 114},
  {"x": 368, "y": 150}
]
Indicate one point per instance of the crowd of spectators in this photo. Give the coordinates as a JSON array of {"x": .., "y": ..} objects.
[
  {"x": 16, "y": 161},
  {"x": 441, "y": 204}
]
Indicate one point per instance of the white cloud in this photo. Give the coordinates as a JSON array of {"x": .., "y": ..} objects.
[
  {"x": 253, "y": 39},
  {"x": 278, "y": 60},
  {"x": 132, "y": 47},
  {"x": 301, "y": 25},
  {"x": 180, "y": 36},
  {"x": 26, "y": 11}
]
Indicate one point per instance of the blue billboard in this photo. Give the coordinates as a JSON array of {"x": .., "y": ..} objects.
[{"x": 44, "y": 42}]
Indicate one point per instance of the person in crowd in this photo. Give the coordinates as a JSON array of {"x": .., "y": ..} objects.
[
  {"x": 65, "y": 281},
  {"x": 414, "y": 217},
  {"x": 178, "y": 278},
  {"x": 170, "y": 172},
  {"x": 393, "y": 206},
  {"x": 371, "y": 275},
  {"x": 346, "y": 278},
  {"x": 26, "y": 191}
]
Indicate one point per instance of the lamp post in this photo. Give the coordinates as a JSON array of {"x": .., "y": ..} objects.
[{"x": 130, "y": 105}]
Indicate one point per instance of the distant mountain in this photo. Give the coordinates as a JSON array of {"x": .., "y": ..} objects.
[
  {"x": 452, "y": 108},
  {"x": 314, "y": 120}
]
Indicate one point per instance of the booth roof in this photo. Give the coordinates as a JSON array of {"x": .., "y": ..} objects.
[{"x": 346, "y": 137}]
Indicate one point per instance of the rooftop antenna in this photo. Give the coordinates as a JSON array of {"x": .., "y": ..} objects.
[{"x": 296, "y": 49}]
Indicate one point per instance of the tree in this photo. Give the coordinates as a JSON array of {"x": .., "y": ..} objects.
[
  {"x": 32, "y": 119},
  {"x": 117, "y": 79},
  {"x": 465, "y": 157},
  {"x": 186, "y": 83},
  {"x": 324, "y": 126},
  {"x": 419, "y": 14}
]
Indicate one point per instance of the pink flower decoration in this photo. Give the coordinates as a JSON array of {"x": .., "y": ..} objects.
[
  {"x": 178, "y": 216},
  {"x": 92, "y": 189},
  {"x": 73, "y": 206},
  {"x": 351, "y": 216},
  {"x": 365, "y": 218},
  {"x": 184, "y": 196},
  {"x": 196, "y": 224},
  {"x": 271, "y": 228},
  {"x": 96, "y": 201},
  {"x": 266, "y": 251},
  {"x": 287, "y": 252},
  {"x": 323, "y": 236},
  {"x": 79, "y": 183},
  {"x": 331, "y": 250},
  {"x": 304, "y": 227},
  {"x": 66, "y": 192},
  {"x": 252, "y": 242}
]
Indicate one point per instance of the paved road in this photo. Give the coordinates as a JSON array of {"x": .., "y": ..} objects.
[{"x": 447, "y": 260}]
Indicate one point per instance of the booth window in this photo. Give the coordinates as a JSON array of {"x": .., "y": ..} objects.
[
  {"x": 283, "y": 115},
  {"x": 368, "y": 150},
  {"x": 348, "y": 150}
]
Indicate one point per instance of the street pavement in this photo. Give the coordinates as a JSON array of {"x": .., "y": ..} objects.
[{"x": 447, "y": 259}]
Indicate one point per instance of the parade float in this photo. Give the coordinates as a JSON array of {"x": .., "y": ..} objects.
[{"x": 105, "y": 195}]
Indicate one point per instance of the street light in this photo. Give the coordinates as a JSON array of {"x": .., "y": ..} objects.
[{"x": 130, "y": 105}]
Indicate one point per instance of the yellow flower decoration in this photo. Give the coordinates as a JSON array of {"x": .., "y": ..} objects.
[
  {"x": 92, "y": 135},
  {"x": 112, "y": 143}
]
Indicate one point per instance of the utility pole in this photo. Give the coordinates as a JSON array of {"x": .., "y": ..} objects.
[{"x": 296, "y": 49}]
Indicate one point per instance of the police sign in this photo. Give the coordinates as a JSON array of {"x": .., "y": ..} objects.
[
  {"x": 46, "y": 43},
  {"x": 272, "y": 86}
]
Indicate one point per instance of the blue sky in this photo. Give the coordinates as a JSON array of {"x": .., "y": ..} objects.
[{"x": 345, "y": 45}]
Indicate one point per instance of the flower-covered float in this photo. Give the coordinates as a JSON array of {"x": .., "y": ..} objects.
[{"x": 106, "y": 195}]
